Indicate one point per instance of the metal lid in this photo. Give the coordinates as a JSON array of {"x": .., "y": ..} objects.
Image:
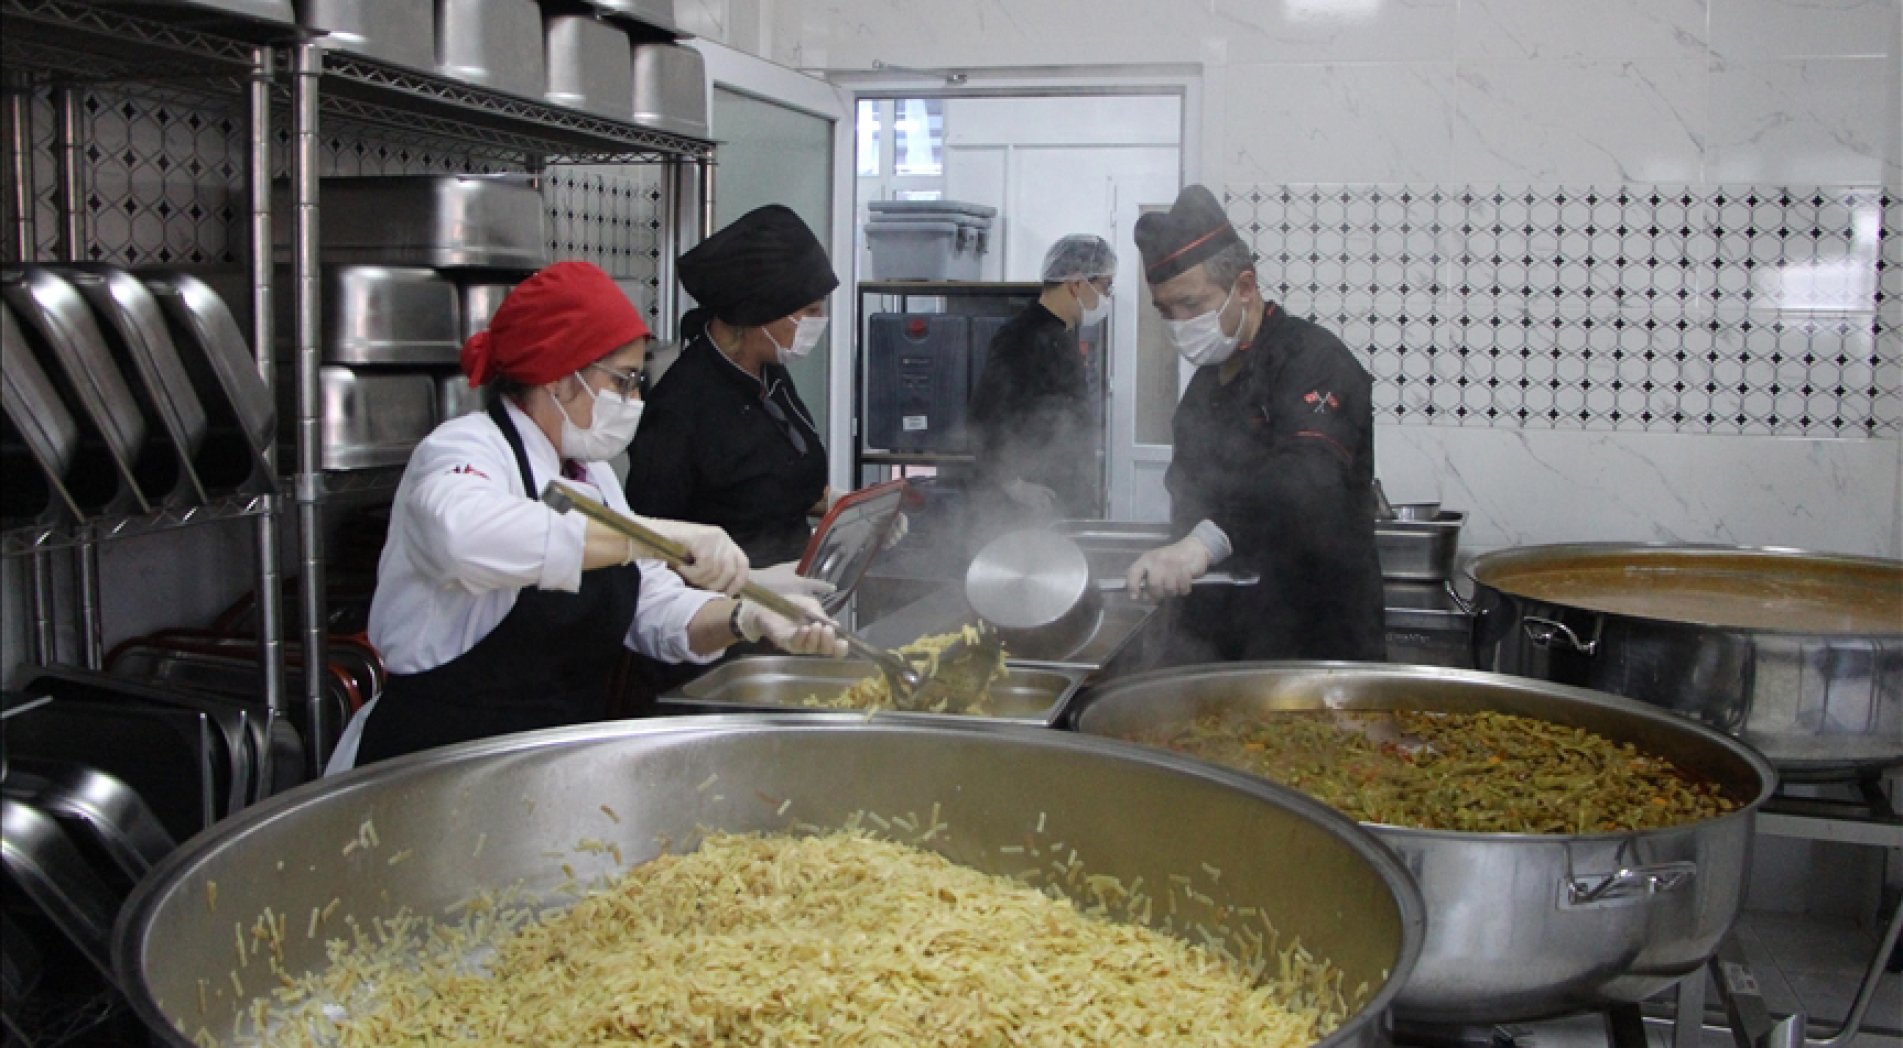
[{"x": 1027, "y": 579}]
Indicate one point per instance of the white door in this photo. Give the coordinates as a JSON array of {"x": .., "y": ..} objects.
[{"x": 784, "y": 138}]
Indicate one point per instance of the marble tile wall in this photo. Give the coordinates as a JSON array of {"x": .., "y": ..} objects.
[
  {"x": 1723, "y": 108},
  {"x": 1649, "y": 308}
]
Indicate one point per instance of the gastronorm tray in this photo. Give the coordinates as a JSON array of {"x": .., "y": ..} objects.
[
  {"x": 38, "y": 425},
  {"x": 495, "y": 44},
  {"x": 238, "y": 405},
  {"x": 775, "y": 684},
  {"x": 1419, "y": 550},
  {"x": 139, "y": 339},
  {"x": 61, "y": 332},
  {"x": 945, "y": 610}
]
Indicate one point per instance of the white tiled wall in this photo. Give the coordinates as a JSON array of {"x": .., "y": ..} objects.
[{"x": 1536, "y": 96}]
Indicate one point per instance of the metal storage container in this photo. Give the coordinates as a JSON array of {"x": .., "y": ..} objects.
[
  {"x": 383, "y": 315},
  {"x": 495, "y": 44},
  {"x": 370, "y": 419},
  {"x": 1419, "y": 550},
  {"x": 401, "y": 32},
  {"x": 918, "y": 381},
  {"x": 670, "y": 89},
  {"x": 479, "y": 303},
  {"x": 590, "y": 64},
  {"x": 491, "y": 221}
]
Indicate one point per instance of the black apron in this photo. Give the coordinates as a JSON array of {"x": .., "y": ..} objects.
[{"x": 546, "y": 664}]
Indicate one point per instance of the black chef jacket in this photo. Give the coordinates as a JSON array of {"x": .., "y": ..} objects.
[
  {"x": 710, "y": 449},
  {"x": 1030, "y": 416},
  {"x": 1282, "y": 460}
]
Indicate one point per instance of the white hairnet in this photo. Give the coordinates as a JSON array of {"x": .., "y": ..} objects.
[{"x": 1079, "y": 257}]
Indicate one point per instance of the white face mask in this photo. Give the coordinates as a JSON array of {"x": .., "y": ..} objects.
[
  {"x": 1096, "y": 313},
  {"x": 1201, "y": 339},
  {"x": 608, "y": 434},
  {"x": 805, "y": 337}
]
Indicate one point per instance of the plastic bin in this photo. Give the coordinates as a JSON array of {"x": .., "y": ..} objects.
[{"x": 934, "y": 249}]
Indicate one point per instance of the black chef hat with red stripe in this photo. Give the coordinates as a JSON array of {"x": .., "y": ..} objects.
[{"x": 1174, "y": 241}]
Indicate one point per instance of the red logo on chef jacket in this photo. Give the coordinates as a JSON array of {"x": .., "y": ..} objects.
[
  {"x": 471, "y": 470},
  {"x": 1321, "y": 402}
]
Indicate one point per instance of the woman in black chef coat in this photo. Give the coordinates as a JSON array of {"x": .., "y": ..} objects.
[{"x": 726, "y": 439}]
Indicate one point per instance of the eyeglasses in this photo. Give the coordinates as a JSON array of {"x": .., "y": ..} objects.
[{"x": 626, "y": 383}]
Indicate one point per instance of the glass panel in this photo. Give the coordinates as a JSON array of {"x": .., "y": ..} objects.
[
  {"x": 770, "y": 154},
  {"x": 867, "y": 149},
  {"x": 919, "y": 132}
]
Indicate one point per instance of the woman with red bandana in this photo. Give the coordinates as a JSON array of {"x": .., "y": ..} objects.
[{"x": 496, "y": 613}]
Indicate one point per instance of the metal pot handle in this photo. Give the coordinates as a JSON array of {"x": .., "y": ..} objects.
[
  {"x": 1469, "y": 608},
  {"x": 1626, "y": 885},
  {"x": 1544, "y": 633}
]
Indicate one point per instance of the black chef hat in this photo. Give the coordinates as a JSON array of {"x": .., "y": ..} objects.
[
  {"x": 764, "y": 266},
  {"x": 1174, "y": 241}
]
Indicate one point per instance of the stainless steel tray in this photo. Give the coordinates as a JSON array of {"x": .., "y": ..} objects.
[
  {"x": 776, "y": 684},
  {"x": 946, "y": 610},
  {"x": 382, "y": 315},
  {"x": 590, "y": 65},
  {"x": 1419, "y": 550},
  {"x": 645, "y": 14},
  {"x": 43, "y": 427},
  {"x": 138, "y": 336},
  {"x": 238, "y": 405},
  {"x": 372, "y": 419},
  {"x": 60, "y": 328},
  {"x": 455, "y": 398},
  {"x": 670, "y": 89},
  {"x": 492, "y": 221},
  {"x": 402, "y": 32},
  {"x": 479, "y": 303},
  {"x": 495, "y": 44}
]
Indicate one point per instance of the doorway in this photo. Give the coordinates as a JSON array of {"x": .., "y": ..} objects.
[{"x": 1052, "y": 162}]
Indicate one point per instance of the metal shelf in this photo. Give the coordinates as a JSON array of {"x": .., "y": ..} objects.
[
  {"x": 28, "y": 540},
  {"x": 929, "y": 288},
  {"x": 77, "y": 42},
  {"x": 364, "y": 91}
]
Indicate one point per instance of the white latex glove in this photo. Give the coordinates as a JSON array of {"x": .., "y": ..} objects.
[
  {"x": 1167, "y": 571},
  {"x": 795, "y": 638},
  {"x": 719, "y": 565},
  {"x": 784, "y": 578},
  {"x": 1038, "y": 499}
]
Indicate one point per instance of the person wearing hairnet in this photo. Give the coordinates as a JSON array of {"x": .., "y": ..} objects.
[
  {"x": 1035, "y": 434},
  {"x": 727, "y": 440},
  {"x": 1273, "y": 465},
  {"x": 494, "y": 612}
]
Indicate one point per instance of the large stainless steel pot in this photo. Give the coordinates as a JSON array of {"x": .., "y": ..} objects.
[
  {"x": 1800, "y": 654},
  {"x": 490, "y": 813},
  {"x": 1520, "y": 926}
]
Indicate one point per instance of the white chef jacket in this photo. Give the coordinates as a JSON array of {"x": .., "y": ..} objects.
[{"x": 464, "y": 538}]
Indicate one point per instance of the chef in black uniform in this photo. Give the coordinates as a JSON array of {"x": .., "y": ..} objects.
[
  {"x": 727, "y": 440},
  {"x": 1273, "y": 467},
  {"x": 1035, "y": 436}
]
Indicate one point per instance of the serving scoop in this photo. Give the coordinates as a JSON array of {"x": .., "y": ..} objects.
[{"x": 951, "y": 683}]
